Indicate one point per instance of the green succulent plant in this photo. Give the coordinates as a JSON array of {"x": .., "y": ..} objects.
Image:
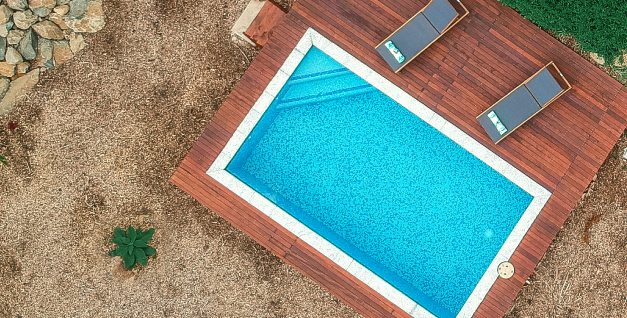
[
  {"x": 132, "y": 246},
  {"x": 3, "y": 161}
]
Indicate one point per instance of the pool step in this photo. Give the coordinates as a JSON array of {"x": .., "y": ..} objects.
[{"x": 322, "y": 87}]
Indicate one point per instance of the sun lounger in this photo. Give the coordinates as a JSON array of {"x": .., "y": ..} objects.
[
  {"x": 524, "y": 102},
  {"x": 419, "y": 32}
]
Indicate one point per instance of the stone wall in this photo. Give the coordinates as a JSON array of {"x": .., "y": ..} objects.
[{"x": 36, "y": 35}]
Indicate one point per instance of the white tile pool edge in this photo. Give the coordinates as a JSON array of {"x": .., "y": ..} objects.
[{"x": 312, "y": 38}]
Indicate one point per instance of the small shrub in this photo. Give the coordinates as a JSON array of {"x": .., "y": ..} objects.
[
  {"x": 132, "y": 246},
  {"x": 3, "y": 161}
]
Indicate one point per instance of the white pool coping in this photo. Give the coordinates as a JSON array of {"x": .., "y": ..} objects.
[{"x": 312, "y": 38}]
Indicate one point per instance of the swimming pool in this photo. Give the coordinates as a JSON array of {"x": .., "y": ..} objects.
[{"x": 377, "y": 182}]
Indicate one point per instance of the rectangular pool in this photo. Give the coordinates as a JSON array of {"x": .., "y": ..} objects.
[{"x": 379, "y": 183}]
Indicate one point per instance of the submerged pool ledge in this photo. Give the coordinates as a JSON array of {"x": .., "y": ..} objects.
[{"x": 312, "y": 38}]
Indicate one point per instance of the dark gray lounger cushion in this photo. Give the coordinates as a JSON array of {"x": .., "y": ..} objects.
[
  {"x": 410, "y": 40},
  {"x": 512, "y": 111},
  {"x": 440, "y": 13},
  {"x": 544, "y": 87}
]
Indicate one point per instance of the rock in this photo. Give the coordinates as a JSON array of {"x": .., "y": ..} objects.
[
  {"x": 3, "y": 48},
  {"x": 7, "y": 69},
  {"x": 4, "y": 86},
  {"x": 62, "y": 10},
  {"x": 13, "y": 56},
  {"x": 621, "y": 60},
  {"x": 5, "y": 28},
  {"x": 85, "y": 16},
  {"x": 597, "y": 58},
  {"x": 28, "y": 45},
  {"x": 78, "y": 8},
  {"x": 77, "y": 42},
  {"x": 22, "y": 67},
  {"x": 58, "y": 20},
  {"x": 48, "y": 30},
  {"x": 5, "y": 14},
  {"x": 49, "y": 64},
  {"x": 42, "y": 7},
  {"x": 44, "y": 54},
  {"x": 24, "y": 19},
  {"x": 50, "y": 4},
  {"x": 45, "y": 48},
  {"x": 15, "y": 36},
  {"x": 17, "y": 4},
  {"x": 61, "y": 52},
  {"x": 18, "y": 90},
  {"x": 62, "y": 2},
  {"x": 41, "y": 12}
]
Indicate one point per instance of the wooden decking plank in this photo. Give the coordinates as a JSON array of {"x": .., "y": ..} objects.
[
  {"x": 406, "y": 9},
  {"x": 529, "y": 245},
  {"x": 606, "y": 135},
  {"x": 531, "y": 143},
  {"x": 553, "y": 120},
  {"x": 332, "y": 14},
  {"x": 564, "y": 193},
  {"x": 523, "y": 162},
  {"x": 594, "y": 150},
  {"x": 585, "y": 168},
  {"x": 576, "y": 102},
  {"x": 491, "y": 12},
  {"x": 560, "y": 112},
  {"x": 539, "y": 62},
  {"x": 521, "y": 261},
  {"x": 379, "y": 22},
  {"x": 389, "y": 11},
  {"x": 541, "y": 236},
  {"x": 560, "y": 133},
  {"x": 495, "y": 303},
  {"x": 550, "y": 223},
  {"x": 614, "y": 124},
  {"x": 581, "y": 172}
]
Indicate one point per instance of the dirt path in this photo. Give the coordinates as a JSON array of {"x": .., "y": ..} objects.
[{"x": 96, "y": 144}]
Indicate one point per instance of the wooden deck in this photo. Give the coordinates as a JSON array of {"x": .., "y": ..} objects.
[
  {"x": 260, "y": 30},
  {"x": 486, "y": 55}
]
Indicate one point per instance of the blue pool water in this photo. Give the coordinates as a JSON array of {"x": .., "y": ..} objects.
[{"x": 380, "y": 184}]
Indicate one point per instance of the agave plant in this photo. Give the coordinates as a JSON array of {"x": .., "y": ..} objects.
[{"x": 132, "y": 246}]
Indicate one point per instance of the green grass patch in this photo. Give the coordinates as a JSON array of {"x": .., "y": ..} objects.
[{"x": 600, "y": 26}]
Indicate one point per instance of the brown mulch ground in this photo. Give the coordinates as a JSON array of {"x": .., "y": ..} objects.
[
  {"x": 98, "y": 140},
  {"x": 96, "y": 144}
]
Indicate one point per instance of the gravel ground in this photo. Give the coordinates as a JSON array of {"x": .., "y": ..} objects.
[
  {"x": 116, "y": 122},
  {"x": 95, "y": 146}
]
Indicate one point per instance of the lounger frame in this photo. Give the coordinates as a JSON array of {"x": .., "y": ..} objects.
[
  {"x": 462, "y": 12},
  {"x": 559, "y": 78}
]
